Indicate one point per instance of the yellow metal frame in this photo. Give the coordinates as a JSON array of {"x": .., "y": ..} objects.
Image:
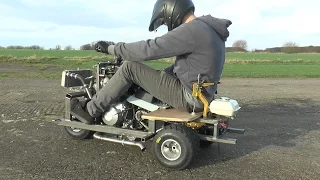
[{"x": 197, "y": 92}]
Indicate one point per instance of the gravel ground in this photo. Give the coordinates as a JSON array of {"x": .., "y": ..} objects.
[{"x": 282, "y": 139}]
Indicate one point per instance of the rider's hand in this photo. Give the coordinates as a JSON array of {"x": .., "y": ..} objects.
[{"x": 102, "y": 46}]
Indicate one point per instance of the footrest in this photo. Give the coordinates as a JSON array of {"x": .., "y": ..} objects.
[
  {"x": 218, "y": 140},
  {"x": 235, "y": 130},
  {"x": 105, "y": 129}
]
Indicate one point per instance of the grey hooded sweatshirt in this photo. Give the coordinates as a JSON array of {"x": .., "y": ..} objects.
[{"x": 199, "y": 48}]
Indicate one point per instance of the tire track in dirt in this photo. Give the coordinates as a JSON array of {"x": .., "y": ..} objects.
[
  {"x": 279, "y": 115},
  {"x": 31, "y": 97}
]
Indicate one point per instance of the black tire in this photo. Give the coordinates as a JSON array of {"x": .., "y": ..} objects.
[
  {"x": 175, "y": 146},
  {"x": 78, "y": 133}
]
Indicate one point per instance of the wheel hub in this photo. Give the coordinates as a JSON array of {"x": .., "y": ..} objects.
[
  {"x": 75, "y": 129},
  {"x": 171, "y": 149}
]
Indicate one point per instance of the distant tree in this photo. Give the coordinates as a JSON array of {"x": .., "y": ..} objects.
[
  {"x": 93, "y": 45},
  {"x": 34, "y": 47},
  {"x": 23, "y": 47},
  {"x": 257, "y": 50},
  {"x": 240, "y": 44},
  {"x": 273, "y": 50},
  {"x": 58, "y": 47},
  {"x": 86, "y": 47},
  {"x": 290, "y": 47},
  {"x": 290, "y": 44},
  {"x": 69, "y": 47},
  {"x": 15, "y": 47}
]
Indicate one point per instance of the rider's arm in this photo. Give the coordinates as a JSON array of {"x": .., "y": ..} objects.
[{"x": 176, "y": 42}]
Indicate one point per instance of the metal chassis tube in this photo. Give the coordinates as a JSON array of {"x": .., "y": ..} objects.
[{"x": 215, "y": 137}]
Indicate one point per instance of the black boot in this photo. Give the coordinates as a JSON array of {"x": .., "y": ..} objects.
[{"x": 78, "y": 109}]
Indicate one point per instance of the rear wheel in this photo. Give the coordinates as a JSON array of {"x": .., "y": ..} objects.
[
  {"x": 175, "y": 146},
  {"x": 78, "y": 133}
]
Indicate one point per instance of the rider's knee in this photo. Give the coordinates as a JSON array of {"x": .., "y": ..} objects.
[
  {"x": 126, "y": 63},
  {"x": 126, "y": 67}
]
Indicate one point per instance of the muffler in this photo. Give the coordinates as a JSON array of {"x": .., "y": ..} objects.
[{"x": 101, "y": 137}]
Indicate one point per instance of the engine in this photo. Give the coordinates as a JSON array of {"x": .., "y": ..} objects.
[
  {"x": 125, "y": 115},
  {"x": 140, "y": 123},
  {"x": 115, "y": 115}
]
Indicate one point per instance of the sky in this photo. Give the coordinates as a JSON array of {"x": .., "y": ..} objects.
[{"x": 49, "y": 23}]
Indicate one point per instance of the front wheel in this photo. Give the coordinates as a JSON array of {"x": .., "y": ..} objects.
[
  {"x": 77, "y": 133},
  {"x": 175, "y": 146}
]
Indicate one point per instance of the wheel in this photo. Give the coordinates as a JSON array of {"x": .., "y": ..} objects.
[
  {"x": 77, "y": 133},
  {"x": 175, "y": 146}
]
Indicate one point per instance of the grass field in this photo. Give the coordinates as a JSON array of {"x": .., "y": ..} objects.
[{"x": 48, "y": 64}]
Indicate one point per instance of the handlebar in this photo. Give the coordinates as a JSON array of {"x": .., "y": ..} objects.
[
  {"x": 76, "y": 76},
  {"x": 79, "y": 77},
  {"x": 118, "y": 60}
]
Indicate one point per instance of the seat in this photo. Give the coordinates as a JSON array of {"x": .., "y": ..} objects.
[{"x": 171, "y": 115}]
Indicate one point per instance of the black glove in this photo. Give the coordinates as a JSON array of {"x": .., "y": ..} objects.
[{"x": 102, "y": 46}]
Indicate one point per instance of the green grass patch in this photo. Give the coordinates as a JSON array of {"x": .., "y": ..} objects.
[
  {"x": 48, "y": 53},
  {"x": 33, "y": 75},
  {"x": 69, "y": 62},
  {"x": 43, "y": 70},
  {"x": 50, "y": 63},
  {"x": 158, "y": 65},
  {"x": 272, "y": 70},
  {"x": 91, "y": 53},
  {"x": 230, "y": 70},
  {"x": 274, "y": 56}
]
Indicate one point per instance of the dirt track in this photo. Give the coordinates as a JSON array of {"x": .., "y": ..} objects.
[{"x": 282, "y": 141}]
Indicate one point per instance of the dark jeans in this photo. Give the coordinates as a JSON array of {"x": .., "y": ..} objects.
[{"x": 159, "y": 84}]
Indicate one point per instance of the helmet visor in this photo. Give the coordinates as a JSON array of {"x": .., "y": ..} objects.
[
  {"x": 157, "y": 23},
  {"x": 157, "y": 17}
]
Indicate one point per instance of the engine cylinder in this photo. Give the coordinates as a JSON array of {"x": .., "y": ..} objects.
[{"x": 114, "y": 115}]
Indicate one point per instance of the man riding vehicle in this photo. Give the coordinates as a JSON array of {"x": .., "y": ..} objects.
[{"x": 197, "y": 43}]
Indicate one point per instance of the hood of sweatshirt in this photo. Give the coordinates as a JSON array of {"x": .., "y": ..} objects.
[{"x": 219, "y": 25}]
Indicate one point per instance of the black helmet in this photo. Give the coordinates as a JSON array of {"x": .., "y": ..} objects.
[{"x": 170, "y": 13}]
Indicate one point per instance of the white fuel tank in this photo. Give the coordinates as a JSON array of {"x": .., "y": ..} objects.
[{"x": 224, "y": 106}]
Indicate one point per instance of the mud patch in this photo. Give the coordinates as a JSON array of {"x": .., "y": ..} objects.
[
  {"x": 10, "y": 96},
  {"x": 15, "y": 132},
  {"x": 7, "y": 121},
  {"x": 14, "y": 121},
  {"x": 16, "y": 68}
]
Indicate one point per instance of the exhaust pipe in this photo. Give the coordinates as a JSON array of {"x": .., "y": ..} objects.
[{"x": 140, "y": 145}]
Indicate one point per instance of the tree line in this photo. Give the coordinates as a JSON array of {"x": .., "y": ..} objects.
[
  {"x": 287, "y": 47},
  {"x": 22, "y": 47},
  {"x": 58, "y": 47},
  {"x": 88, "y": 46}
]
